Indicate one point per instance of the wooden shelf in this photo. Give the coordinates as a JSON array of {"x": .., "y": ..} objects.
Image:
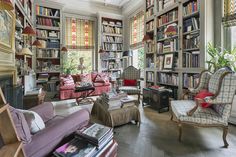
[
  {"x": 175, "y": 36},
  {"x": 191, "y": 15},
  {"x": 168, "y": 23},
  {"x": 48, "y": 28},
  {"x": 192, "y": 32}
]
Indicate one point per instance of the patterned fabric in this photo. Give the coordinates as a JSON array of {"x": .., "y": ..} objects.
[
  {"x": 215, "y": 80},
  {"x": 130, "y": 89},
  {"x": 86, "y": 78},
  {"x": 131, "y": 73},
  {"x": 102, "y": 77},
  {"x": 203, "y": 83},
  {"x": 203, "y": 116},
  {"x": 67, "y": 81}
]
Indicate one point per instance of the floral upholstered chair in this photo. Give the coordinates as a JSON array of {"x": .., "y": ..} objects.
[
  {"x": 129, "y": 81},
  {"x": 223, "y": 85}
]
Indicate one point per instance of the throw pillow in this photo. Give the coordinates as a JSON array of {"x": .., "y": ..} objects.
[
  {"x": 67, "y": 81},
  {"x": 34, "y": 121},
  {"x": 86, "y": 78},
  {"x": 130, "y": 82},
  {"x": 203, "y": 94},
  {"x": 21, "y": 125},
  {"x": 102, "y": 78}
]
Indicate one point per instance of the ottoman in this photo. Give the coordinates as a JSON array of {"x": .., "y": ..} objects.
[{"x": 116, "y": 117}]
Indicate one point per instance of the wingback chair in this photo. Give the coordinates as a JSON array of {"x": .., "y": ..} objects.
[
  {"x": 130, "y": 73},
  {"x": 223, "y": 85}
]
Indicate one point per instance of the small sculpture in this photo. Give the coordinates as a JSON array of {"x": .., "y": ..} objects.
[{"x": 81, "y": 66}]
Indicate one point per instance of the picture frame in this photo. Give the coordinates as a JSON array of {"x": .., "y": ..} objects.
[
  {"x": 7, "y": 31},
  {"x": 168, "y": 61}
]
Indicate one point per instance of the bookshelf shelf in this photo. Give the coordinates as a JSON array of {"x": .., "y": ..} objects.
[
  {"x": 168, "y": 23},
  {"x": 164, "y": 53},
  {"x": 48, "y": 27},
  {"x": 192, "y": 32},
  {"x": 112, "y": 34},
  {"x": 51, "y": 17},
  {"x": 191, "y": 15},
  {"x": 169, "y": 38},
  {"x": 150, "y": 18},
  {"x": 193, "y": 49}
]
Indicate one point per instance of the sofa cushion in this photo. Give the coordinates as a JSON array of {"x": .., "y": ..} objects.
[
  {"x": 102, "y": 77},
  {"x": 45, "y": 111},
  {"x": 21, "y": 125},
  {"x": 99, "y": 84},
  {"x": 70, "y": 87},
  {"x": 33, "y": 120},
  {"x": 67, "y": 81}
]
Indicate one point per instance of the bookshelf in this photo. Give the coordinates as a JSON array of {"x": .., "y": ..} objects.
[
  {"x": 48, "y": 21},
  {"x": 112, "y": 44},
  {"x": 181, "y": 30}
]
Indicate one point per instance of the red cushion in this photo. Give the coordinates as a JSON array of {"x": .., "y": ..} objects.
[
  {"x": 201, "y": 95},
  {"x": 130, "y": 82}
]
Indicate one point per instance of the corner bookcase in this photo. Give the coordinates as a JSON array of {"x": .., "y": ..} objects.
[
  {"x": 180, "y": 30},
  {"x": 48, "y": 19},
  {"x": 111, "y": 40}
]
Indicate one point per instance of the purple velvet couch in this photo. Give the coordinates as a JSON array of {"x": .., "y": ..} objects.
[{"x": 57, "y": 128}]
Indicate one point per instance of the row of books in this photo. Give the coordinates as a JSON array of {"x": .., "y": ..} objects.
[
  {"x": 168, "y": 78},
  {"x": 150, "y": 76},
  {"x": 150, "y": 62},
  {"x": 47, "y": 53},
  {"x": 190, "y": 81},
  {"x": 48, "y": 22},
  {"x": 46, "y": 34},
  {"x": 191, "y": 41},
  {"x": 191, "y": 59},
  {"x": 51, "y": 43},
  {"x": 112, "y": 47},
  {"x": 47, "y": 66},
  {"x": 46, "y": 11},
  {"x": 108, "y": 55},
  {"x": 167, "y": 31},
  {"x": 150, "y": 26},
  {"x": 149, "y": 3},
  {"x": 113, "y": 30},
  {"x": 162, "y": 4},
  {"x": 149, "y": 12},
  {"x": 150, "y": 47},
  {"x": 168, "y": 17},
  {"x": 112, "y": 39},
  {"x": 191, "y": 7},
  {"x": 117, "y": 23},
  {"x": 167, "y": 46},
  {"x": 110, "y": 65},
  {"x": 90, "y": 141},
  {"x": 191, "y": 24},
  {"x": 159, "y": 62}
]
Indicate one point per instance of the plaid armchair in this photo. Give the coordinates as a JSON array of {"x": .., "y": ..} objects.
[
  {"x": 130, "y": 73},
  {"x": 223, "y": 85}
]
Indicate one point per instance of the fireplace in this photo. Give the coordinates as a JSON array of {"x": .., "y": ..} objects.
[{"x": 12, "y": 93}]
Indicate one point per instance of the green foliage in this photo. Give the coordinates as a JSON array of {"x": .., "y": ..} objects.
[{"x": 221, "y": 58}]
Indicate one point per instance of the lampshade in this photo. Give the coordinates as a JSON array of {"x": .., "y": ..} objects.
[
  {"x": 64, "y": 49},
  {"x": 101, "y": 50},
  {"x": 6, "y": 5},
  {"x": 127, "y": 53},
  {"x": 26, "y": 51},
  {"x": 37, "y": 43},
  {"x": 28, "y": 31},
  {"x": 147, "y": 37}
]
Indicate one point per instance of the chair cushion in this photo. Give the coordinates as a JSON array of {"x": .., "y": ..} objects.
[
  {"x": 130, "y": 89},
  {"x": 203, "y": 116},
  {"x": 130, "y": 82}
]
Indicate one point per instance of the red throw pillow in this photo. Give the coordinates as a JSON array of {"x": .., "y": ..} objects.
[
  {"x": 130, "y": 82},
  {"x": 201, "y": 95},
  {"x": 67, "y": 81}
]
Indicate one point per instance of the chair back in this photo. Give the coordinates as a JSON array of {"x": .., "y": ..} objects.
[
  {"x": 203, "y": 80},
  {"x": 131, "y": 73}
]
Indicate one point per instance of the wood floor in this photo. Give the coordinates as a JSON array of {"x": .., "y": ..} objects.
[{"x": 157, "y": 137}]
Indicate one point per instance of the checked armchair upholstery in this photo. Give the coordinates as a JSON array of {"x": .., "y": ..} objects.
[
  {"x": 130, "y": 73},
  {"x": 223, "y": 85}
]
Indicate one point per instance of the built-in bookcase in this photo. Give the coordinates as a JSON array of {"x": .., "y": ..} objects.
[{"x": 179, "y": 29}]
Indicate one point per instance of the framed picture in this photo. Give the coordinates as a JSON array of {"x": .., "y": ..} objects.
[
  {"x": 7, "y": 31},
  {"x": 168, "y": 61}
]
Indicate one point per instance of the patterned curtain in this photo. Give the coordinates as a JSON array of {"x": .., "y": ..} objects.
[
  {"x": 229, "y": 18},
  {"x": 79, "y": 34},
  {"x": 137, "y": 29}
]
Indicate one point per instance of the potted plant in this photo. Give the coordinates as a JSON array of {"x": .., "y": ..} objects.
[{"x": 221, "y": 57}]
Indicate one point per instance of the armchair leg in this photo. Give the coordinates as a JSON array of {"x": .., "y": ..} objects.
[
  {"x": 180, "y": 131},
  {"x": 225, "y": 132}
]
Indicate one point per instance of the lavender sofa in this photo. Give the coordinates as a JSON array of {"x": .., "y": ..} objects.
[{"x": 57, "y": 128}]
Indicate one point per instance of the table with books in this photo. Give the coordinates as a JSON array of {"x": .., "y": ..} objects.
[
  {"x": 94, "y": 140},
  {"x": 115, "y": 109}
]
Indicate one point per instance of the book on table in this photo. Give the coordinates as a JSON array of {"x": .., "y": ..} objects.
[
  {"x": 76, "y": 147},
  {"x": 128, "y": 101}
]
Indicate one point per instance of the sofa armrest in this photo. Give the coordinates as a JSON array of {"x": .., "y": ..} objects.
[{"x": 45, "y": 111}]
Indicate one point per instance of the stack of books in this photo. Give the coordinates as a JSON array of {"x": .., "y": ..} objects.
[
  {"x": 112, "y": 100},
  {"x": 91, "y": 141}
]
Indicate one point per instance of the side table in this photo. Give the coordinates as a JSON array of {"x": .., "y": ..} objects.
[{"x": 30, "y": 101}]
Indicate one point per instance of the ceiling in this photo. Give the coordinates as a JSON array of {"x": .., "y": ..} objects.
[{"x": 116, "y": 3}]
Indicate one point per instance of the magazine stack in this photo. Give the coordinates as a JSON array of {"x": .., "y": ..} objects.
[{"x": 92, "y": 141}]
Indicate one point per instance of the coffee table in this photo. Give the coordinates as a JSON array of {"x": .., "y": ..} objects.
[
  {"x": 116, "y": 117},
  {"x": 85, "y": 93}
]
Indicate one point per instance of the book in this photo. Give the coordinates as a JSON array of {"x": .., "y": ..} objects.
[
  {"x": 76, "y": 147},
  {"x": 128, "y": 101}
]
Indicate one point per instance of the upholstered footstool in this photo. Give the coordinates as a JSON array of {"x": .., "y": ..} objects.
[{"x": 116, "y": 117}]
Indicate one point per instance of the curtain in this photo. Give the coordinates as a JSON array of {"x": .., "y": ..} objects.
[
  {"x": 229, "y": 18},
  {"x": 79, "y": 34},
  {"x": 137, "y": 29}
]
